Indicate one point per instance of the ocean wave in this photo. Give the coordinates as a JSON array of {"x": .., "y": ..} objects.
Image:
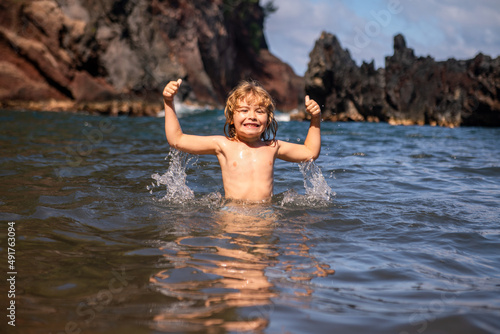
[{"x": 186, "y": 109}]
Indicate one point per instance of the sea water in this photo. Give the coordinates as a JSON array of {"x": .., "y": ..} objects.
[{"x": 392, "y": 230}]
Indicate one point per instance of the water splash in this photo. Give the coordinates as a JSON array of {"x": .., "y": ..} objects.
[
  {"x": 175, "y": 181},
  {"x": 318, "y": 192},
  {"x": 314, "y": 182},
  {"x": 175, "y": 178}
]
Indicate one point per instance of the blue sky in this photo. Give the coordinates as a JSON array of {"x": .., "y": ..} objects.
[{"x": 442, "y": 29}]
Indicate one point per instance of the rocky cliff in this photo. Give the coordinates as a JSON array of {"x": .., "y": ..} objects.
[
  {"x": 115, "y": 56},
  {"x": 410, "y": 90}
]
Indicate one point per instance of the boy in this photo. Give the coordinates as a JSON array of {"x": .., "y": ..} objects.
[{"x": 247, "y": 153}]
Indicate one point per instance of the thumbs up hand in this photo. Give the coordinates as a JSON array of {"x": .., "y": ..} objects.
[
  {"x": 312, "y": 107},
  {"x": 171, "y": 89}
]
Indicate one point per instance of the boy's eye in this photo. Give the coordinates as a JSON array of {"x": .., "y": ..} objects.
[{"x": 257, "y": 111}]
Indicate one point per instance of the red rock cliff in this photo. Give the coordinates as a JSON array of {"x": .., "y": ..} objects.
[{"x": 82, "y": 51}]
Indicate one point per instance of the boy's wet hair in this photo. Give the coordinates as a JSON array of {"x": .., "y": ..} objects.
[{"x": 250, "y": 92}]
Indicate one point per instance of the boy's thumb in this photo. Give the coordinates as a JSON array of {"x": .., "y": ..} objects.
[
  {"x": 307, "y": 98},
  {"x": 179, "y": 81}
]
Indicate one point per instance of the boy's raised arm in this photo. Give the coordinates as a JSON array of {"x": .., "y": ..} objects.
[
  {"x": 173, "y": 129},
  {"x": 312, "y": 145},
  {"x": 175, "y": 137}
]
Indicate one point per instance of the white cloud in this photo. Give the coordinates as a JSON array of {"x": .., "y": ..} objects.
[
  {"x": 292, "y": 31},
  {"x": 442, "y": 29},
  {"x": 460, "y": 29}
]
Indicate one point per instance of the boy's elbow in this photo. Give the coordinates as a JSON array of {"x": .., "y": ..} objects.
[
  {"x": 313, "y": 151},
  {"x": 174, "y": 144},
  {"x": 170, "y": 141},
  {"x": 311, "y": 157},
  {"x": 315, "y": 154},
  {"x": 174, "y": 140}
]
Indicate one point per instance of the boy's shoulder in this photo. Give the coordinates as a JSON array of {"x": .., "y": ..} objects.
[
  {"x": 217, "y": 138},
  {"x": 222, "y": 141},
  {"x": 272, "y": 142}
]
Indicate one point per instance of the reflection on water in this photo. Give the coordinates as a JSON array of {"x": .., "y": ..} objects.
[{"x": 219, "y": 278}]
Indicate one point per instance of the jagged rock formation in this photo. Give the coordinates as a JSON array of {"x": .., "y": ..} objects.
[
  {"x": 410, "y": 90},
  {"x": 76, "y": 52},
  {"x": 344, "y": 90}
]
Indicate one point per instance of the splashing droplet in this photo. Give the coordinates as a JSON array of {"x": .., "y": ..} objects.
[
  {"x": 314, "y": 181},
  {"x": 318, "y": 192},
  {"x": 175, "y": 178}
]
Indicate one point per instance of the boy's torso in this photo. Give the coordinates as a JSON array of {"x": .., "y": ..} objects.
[{"x": 247, "y": 170}]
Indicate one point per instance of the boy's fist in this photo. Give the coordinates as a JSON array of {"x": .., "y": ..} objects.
[
  {"x": 171, "y": 89},
  {"x": 312, "y": 107}
]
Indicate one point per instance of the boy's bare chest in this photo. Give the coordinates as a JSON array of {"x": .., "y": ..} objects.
[{"x": 246, "y": 159}]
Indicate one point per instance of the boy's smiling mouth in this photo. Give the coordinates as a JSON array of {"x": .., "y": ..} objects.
[{"x": 251, "y": 125}]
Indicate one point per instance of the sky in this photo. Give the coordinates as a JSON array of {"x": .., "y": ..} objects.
[{"x": 441, "y": 29}]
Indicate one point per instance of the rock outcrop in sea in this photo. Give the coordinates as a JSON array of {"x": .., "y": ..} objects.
[
  {"x": 409, "y": 90},
  {"x": 115, "y": 56}
]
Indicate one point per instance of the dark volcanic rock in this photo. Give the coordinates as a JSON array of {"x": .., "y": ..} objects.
[
  {"x": 410, "y": 90},
  {"x": 344, "y": 90},
  {"x": 97, "y": 50},
  {"x": 448, "y": 93}
]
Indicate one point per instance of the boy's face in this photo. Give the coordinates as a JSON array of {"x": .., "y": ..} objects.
[{"x": 250, "y": 120}]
